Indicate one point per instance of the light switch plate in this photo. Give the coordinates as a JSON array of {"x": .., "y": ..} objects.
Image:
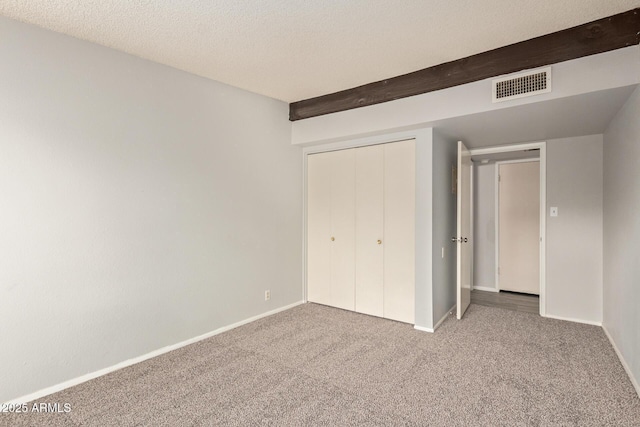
[{"x": 553, "y": 211}]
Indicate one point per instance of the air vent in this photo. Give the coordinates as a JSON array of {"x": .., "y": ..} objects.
[{"x": 521, "y": 85}]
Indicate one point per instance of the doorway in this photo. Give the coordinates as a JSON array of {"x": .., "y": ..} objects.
[
  {"x": 518, "y": 226},
  {"x": 502, "y": 266}
]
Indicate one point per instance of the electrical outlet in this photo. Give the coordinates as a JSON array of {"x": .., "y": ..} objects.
[{"x": 267, "y": 295}]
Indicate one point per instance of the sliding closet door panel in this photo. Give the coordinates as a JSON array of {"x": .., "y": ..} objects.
[
  {"x": 399, "y": 231},
  {"x": 369, "y": 230},
  {"x": 343, "y": 183},
  {"x": 319, "y": 228}
]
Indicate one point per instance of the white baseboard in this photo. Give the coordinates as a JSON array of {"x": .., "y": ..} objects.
[
  {"x": 450, "y": 311},
  {"x": 569, "y": 319},
  {"x": 624, "y": 363},
  {"x": 486, "y": 289},
  {"x": 437, "y": 325},
  {"x": 84, "y": 378}
]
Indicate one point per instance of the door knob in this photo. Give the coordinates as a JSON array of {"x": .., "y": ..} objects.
[
  {"x": 454, "y": 240},
  {"x": 333, "y": 238},
  {"x": 379, "y": 241},
  {"x": 465, "y": 240}
]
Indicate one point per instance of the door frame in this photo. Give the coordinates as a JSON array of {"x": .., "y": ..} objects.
[
  {"x": 497, "y": 209},
  {"x": 542, "y": 145},
  {"x": 462, "y": 220}
]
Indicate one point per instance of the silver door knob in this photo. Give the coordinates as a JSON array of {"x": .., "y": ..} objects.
[
  {"x": 465, "y": 240},
  {"x": 454, "y": 239}
]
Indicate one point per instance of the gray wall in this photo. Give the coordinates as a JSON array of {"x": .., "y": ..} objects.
[
  {"x": 141, "y": 206},
  {"x": 484, "y": 226},
  {"x": 622, "y": 233},
  {"x": 424, "y": 228},
  {"x": 444, "y": 227},
  {"x": 574, "y": 237}
]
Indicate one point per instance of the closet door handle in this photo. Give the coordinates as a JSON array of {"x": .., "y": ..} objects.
[{"x": 379, "y": 241}]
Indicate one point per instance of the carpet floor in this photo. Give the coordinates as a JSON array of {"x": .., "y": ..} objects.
[{"x": 316, "y": 365}]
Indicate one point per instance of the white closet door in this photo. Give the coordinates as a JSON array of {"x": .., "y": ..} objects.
[
  {"x": 319, "y": 228},
  {"x": 343, "y": 180},
  {"x": 369, "y": 230},
  {"x": 399, "y": 231}
]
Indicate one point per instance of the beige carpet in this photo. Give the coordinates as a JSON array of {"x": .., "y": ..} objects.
[{"x": 315, "y": 365}]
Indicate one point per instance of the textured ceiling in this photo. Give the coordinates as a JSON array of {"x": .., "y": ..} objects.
[{"x": 297, "y": 49}]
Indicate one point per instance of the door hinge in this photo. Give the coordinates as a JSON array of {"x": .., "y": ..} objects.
[
  {"x": 499, "y": 178},
  {"x": 498, "y": 270}
]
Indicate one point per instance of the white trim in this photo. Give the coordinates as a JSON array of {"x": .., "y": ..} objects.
[
  {"x": 92, "y": 375},
  {"x": 485, "y": 289},
  {"x": 624, "y": 363},
  {"x": 449, "y": 312},
  {"x": 385, "y": 138},
  {"x": 471, "y": 228},
  {"x": 528, "y": 160},
  {"x": 304, "y": 227},
  {"x": 506, "y": 148},
  {"x": 570, "y": 319},
  {"x": 543, "y": 228},
  {"x": 496, "y": 225}
]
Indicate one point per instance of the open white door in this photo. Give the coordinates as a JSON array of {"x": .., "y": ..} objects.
[{"x": 463, "y": 237}]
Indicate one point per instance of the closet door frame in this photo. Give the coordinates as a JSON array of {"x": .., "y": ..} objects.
[{"x": 423, "y": 221}]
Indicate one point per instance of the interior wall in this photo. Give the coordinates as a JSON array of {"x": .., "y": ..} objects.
[
  {"x": 622, "y": 234},
  {"x": 141, "y": 206},
  {"x": 574, "y": 237},
  {"x": 445, "y": 157},
  {"x": 484, "y": 226},
  {"x": 424, "y": 231}
]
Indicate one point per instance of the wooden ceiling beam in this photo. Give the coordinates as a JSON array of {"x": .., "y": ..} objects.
[{"x": 613, "y": 32}]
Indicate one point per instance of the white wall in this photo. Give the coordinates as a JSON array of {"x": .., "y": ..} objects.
[
  {"x": 484, "y": 226},
  {"x": 622, "y": 234},
  {"x": 141, "y": 206},
  {"x": 574, "y": 237}
]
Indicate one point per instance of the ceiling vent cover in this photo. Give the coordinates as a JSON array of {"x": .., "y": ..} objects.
[{"x": 520, "y": 85}]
